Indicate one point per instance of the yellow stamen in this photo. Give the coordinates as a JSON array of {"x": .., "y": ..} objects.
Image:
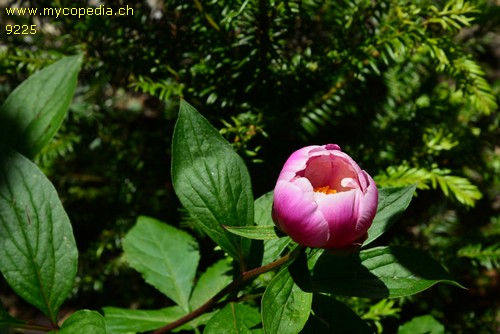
[{"x": 326, "y": 190}]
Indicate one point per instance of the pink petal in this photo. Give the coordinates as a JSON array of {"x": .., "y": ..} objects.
[
  {"x": 296, "y": 162},
  {"x": 331, "y": 170},
  {"x": 295, "y": 212},
  {"x": 341, "y": 211},
  {"x": 318, "y": 170},
  {"x": 368, "y": 206},
  {"x": 353, "y": 166},
  {"x": 332, "y": 147}
]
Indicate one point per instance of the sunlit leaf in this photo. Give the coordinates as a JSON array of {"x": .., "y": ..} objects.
[
  {"x": 234, "y": 318},
  {"x": 166, "y": 257},
  {"x": 211, "y": 181}
]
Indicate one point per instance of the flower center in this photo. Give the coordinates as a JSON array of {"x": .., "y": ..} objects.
[{"x": 325, "y": 190}]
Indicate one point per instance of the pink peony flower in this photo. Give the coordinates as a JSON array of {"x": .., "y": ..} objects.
[{"x": 323, "y": 199}]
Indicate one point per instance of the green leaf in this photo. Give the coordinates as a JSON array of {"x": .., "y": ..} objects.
[
  {"x": 488, "y": 256},
  {"x": 263, "y": 209},
  {"x": 254, "y": 232},
  {"x": 403, "y": 175},
  {"x": 382, "y": 272},
  {"x": 84, "y": 322},
  {"x": 34, "y": 111},
  {"x": 211, "y": 181},
  {"x": 332, "y": 316},
  {"x": 214, "y": 279},
  {"x": 234, "y": 319},
  {"x": 461, "y": 188},
  {"x": 425, "y": 324},
  {"x": 272, "y": 248},
  {"x": 285, "y": 307},
  {"x": 381, "y": 310},
  {"x": 119, "y": 320},
  {"x": 39, "y": 254},
  {"x": 265, "y": 228},
  {"x": 300, "y": 268},
  {"x": 392, "y": 202},
  {"x": 166, "y": 257},
  {"x": 211, "y": 282}
]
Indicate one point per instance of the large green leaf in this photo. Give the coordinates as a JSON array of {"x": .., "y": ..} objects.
[
  {"x": 84, "y": 322},
  {"x": 34, "y": 111},
  {"x": 285, "y": 307},
  {"x": 166, "y": 257},
  {"x": 211, "y": 181},
  {"x": 234, "y": 319},
  {"x": 392, "y": 202},
  {"x": 382, "y": 272},
  {"x": 333, "y": 317},
  {"x": 120, "y": 321},
  {"x": 39, "y": 255}
]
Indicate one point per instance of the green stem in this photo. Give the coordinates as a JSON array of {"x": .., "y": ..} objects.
[{"x": 236, "y": 283}]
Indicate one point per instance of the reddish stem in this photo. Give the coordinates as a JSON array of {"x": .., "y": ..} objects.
[{"x": 240, "y": 280}]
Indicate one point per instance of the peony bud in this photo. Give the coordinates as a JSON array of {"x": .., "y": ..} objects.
[{"x": 323, "y": 199}]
